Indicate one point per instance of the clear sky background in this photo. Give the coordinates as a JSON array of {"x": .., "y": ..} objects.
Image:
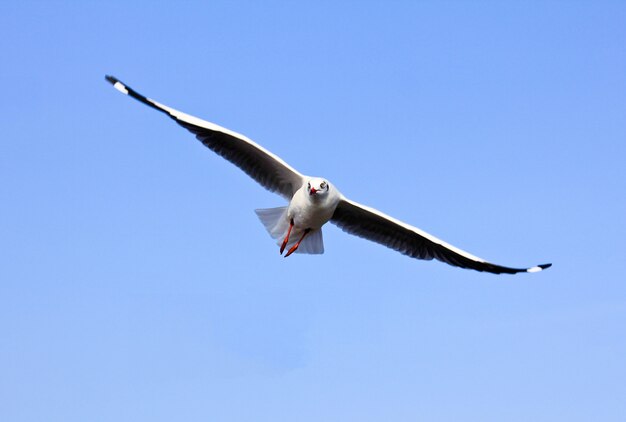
[{"x": 138, "y": 285}]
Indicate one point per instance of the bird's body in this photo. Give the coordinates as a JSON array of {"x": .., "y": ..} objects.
[
  {"x": 312, "y": 206},
  {"x": 313, "y": 210},
  {"x": 313, "y": 201}
]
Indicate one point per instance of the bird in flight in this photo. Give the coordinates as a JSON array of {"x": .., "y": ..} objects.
[{"x": 314, "y": 201}]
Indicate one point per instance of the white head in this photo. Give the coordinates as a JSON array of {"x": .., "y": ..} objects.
[{"x": 317, "y": 187}]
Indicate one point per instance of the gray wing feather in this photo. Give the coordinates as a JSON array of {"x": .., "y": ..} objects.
[
  {"x": 269, "y": 170},
  {"x": 373, "y": 225}
]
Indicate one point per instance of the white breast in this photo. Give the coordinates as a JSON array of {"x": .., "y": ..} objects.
[{"x": 312, "y": 212}]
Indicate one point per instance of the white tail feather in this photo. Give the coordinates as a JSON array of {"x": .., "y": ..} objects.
[
  {"x": 277, "y": 225},
  {"x": 313, "y": 243},
  {"x": 274, "y": 220}
]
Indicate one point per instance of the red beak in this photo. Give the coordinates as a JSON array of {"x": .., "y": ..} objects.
[{"x": 313, "y": 191}]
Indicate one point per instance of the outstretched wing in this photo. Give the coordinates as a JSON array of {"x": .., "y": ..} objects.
[
  {"x": 372, "y": 224},
  {"x": 266, "y": 168}
]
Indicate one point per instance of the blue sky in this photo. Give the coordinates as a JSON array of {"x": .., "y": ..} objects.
[{"x": 138, "y": 285}]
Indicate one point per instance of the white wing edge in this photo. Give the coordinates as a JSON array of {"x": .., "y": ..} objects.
[
  {"x": 187, "y": 118},
  {"x": 418, "y": 231},
  {"x": 434, "y": 239}
]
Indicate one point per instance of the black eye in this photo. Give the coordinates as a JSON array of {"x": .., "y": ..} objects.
[
  {"x": 308, "y": 186},
  {"x": 323, "y": 185}
]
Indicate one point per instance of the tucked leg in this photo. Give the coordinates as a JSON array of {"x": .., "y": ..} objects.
[
  {"x": 294, "y": 247},
  {"x": 284, "y": 245}
]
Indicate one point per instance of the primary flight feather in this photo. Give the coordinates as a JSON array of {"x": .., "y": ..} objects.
[{"x": 313, "y": 201}]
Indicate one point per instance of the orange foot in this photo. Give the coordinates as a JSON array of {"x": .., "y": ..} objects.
[
  {"x": 282, "y": 248},
  {"x": 294, "y": 247}
]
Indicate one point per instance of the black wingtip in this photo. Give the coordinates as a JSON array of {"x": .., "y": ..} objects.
[
  {"x": 538, "y": 268},
  {"x": 125, "y": 89},
  {"x": 111, "y": 79}
]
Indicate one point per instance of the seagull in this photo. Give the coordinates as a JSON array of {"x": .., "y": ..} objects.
[{"x": 314, "y": 201}]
